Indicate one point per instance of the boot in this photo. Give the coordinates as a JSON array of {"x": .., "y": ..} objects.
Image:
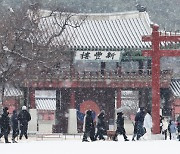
[
  {"x": 13, "y": 141},
  {"x": 26, "y": 136},
  {"x": 115, "y": 138},
  {"x": 85, "y": 140},
  {"x": 6, "y": 140},
  {"x": 20, "y": 137}
]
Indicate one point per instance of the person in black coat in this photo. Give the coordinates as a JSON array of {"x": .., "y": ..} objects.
[
  {"x": 101, "y": 126},
  {"x": 15, "y": 126},
  {"x": 178, "y": 126},
  {"x": 5, "y": 124},
  {"x": 88, "y": 127},
  {"x": 139, "y": 120},
  {"x": 24, "y": 117},
  {"x": 120, "y": 127}
]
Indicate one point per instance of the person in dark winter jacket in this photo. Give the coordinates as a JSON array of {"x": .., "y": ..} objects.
[
  {"x": 5, "y": 124},
  {"x": 164, "y": 127},
  {"x": 135, "y": 128},
  {"x": 88, "y": 127},
  {"x": 15, "y": 126},
  {"x": 101, "y": 126},
  {"x": 120, "y": 127},
  {"x": 178, "y": 126},
  {"x": 161, "y": 123},
  {"x": 24, "y": 117},
  {"x": 139, "y": 120}
]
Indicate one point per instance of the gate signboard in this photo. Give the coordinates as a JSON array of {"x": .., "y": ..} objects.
[{"x": 99, "y": 55}]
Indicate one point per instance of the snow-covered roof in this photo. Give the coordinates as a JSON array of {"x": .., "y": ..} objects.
[
  {"x": 45, "y": 104},
  {"x": 175, "y": 87},
  {"x": 100, "y": 31}
]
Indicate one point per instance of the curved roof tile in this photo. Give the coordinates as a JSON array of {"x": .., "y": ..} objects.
[{"x": 123, "y": 30}]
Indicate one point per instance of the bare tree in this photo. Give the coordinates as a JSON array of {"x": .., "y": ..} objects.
[{"x": 30, "y": 45}]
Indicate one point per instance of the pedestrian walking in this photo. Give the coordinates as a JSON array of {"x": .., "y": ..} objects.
[
  {"x": 15, "y": 126},
  {"x": 169, "y": 124},
  {"x": 164, "y": 127},
  {"x": 88, "y": 127},
  {"x": 161, "y": 124},
  {"x": 24, "y": 117},
  {"x": 172, "y": 130},
  {"x": 148, "y": 125},
  {"x": 5, "y": 124},
  {"x": 120, "y": 127},
  {"x": 139, "y": 119},
  {"x": 178, "y": 126},
  {"x": 101, "y": 126}
]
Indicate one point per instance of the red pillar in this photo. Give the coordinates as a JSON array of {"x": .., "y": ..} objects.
[
  {"x": 72, "y": 99},
  {"x": 32, "y": 98},
  {"x": 155, "y": 81},
  {"x": 118, "y": 101}
]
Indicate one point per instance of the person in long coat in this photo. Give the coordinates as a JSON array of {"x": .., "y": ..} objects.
[
  {"x": 24, "y": 117},
  {"x": 164, "y": 127},
  {"x": 139, "y": 119},
  {"x": 101, "y": 126},
  {"x": 178, "y": 126},
  {"x": 5, "y": 124},
  {"x": 15, "y": 126},
  {"x": 88, "y": 127},
  {"x": 120, "y": 127},
  {"x": 135, "y": 128},
  {"x": 148, "y": 125}
]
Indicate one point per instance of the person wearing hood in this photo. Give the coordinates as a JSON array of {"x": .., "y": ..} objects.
[
  {"x": 15, "y": 126},
  {"x": 148, "y": 125},
  {"x": 5, "y": 124},
  {"x": 139, "y": 120},
  {"x": 88, "y": 127},
  {"x": 101, "y": 126},
  {"x": 120, "y": 127},
  {"x": 24, "y": 117}
]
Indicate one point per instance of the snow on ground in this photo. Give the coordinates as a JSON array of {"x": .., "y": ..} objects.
[{"x": 76, "y": 146}]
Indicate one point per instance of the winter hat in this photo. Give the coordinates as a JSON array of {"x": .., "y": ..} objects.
[
  {"x": 142, "y": 109},
  {"x": 102, "y": 111},
  {"x": 120, "y": 113},
  {"x": 5, "y": 109},
  {"x": 24, "y": 107},
  {"x": 89, "y": 112},
  {"x": 14, "y": 111}
]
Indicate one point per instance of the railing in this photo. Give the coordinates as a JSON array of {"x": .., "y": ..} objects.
[
  {"x": 141, "y": 73},
  {"x": 102, "y": 75}
]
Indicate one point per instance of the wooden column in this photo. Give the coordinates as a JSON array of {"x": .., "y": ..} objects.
[
  {"x": 118, "y": 104},
  {"x": 155, "y": 81},
  {"x": 25, "y": 96},
  {"x": 72, "y": 99},
  {"x": 58, "y": 118},
  {"x": 32, "y": 104}
]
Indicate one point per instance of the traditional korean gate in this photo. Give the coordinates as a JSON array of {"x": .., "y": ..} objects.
[{"x": 156, "y": 53}]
